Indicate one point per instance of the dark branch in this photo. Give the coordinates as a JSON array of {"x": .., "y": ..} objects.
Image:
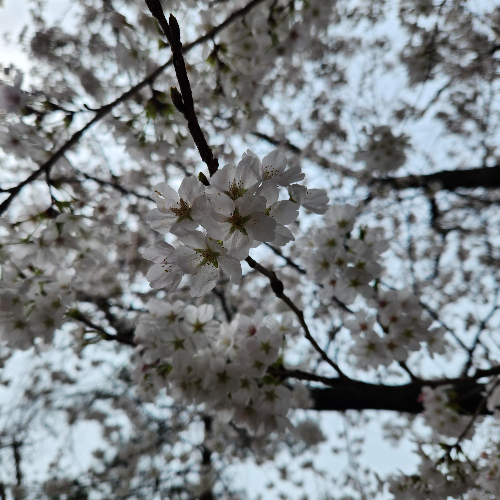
[
  {"x": 16, "y": 445},
  {"x": 183, "y": 101},
  {"x": 124, "y": 338},
  {"x": 351, "y": 395},
  {"x": 278, "y": 288},
  {"x": 450, "y": 180}
]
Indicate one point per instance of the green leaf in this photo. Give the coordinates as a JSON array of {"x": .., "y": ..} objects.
[{"x": 164, "y": 369}]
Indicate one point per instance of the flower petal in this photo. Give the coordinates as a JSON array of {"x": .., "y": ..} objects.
[
  {"x": 166, "y": 276},
  {"x": 164, "y": 196},
  {"x": 160, "y": 222},
  {"x": 232, "y": 267},
  {"x": 190, "y": 189}
]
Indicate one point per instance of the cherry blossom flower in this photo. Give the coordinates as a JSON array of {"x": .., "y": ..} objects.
[
  {"x": 200, "y": 257},
  {"x": 341, "y": 218},
  {"x": 314, "y": 200},
  {"x": 238, "y": 223},
  {"x": 273, "y": 168},
  {"x": 199, "y": 324},
  {"x": 165, "y": 273},
  {"x": 235, "y": 182},
  {"x": 384, "y": 152},
  {"x": 177, "y": 213},
  {"x": 284, "y": 212}
]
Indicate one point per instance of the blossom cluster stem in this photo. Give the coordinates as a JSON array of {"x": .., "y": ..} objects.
[{"x": 278, "y": 288}]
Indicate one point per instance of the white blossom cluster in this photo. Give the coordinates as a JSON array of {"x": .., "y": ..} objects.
[
  {"x": 347, "y": 267},
  {"x": 12, "y": 98},
  {"x": 344, "y": 266},
  {"x": 441, "y": 412},
  {"x": 33, "y": 309},
  {"x": 467, "y": 480},
  {"x": 222, "y": 365},
  {"x": 398, "y": 329},
  {"x": 240, "y": 209}
]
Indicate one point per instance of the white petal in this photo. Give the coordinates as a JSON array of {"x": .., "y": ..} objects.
[
  {"x": 297, "y": 193},
  {"x": 166, "y": 276},
  {"x": 164, "y": 196},
  {"x": 247, "y": 172},
  {"x": 190, "y": 314},
  {"x": 316, "y": 201},
  {"x": 256, "y": 165},
  {"x": 251, "y": 204},
  {"x": 283, "y": 236},
  {"x": 216, "y": 230},
  {"x": 232, "y": 267},
  {"x": 160, "y": 222},
  {"x": 199, "y": 208},
  {"x": 222, "y": 179},
  {"x": 196, "y": 239},
  {"x": 220, "y": 203},
  {"x": 184, "y": 227},
  {"x": 270, "y": 191},
  {"x": 190, "y": 189},
  {"x": 273, "y": 164},
  {"x": 205, "y": 313},
  {"x": 284, "y": 212},
  {"x": 158, "y": 252},
  {"x": 238, "y": 245},
  {"x": 261, "y": 227},
  {"x": 292, "y": 175},
  {"x": 204, "y": 280},
  {"x": 187, "y": 259}
]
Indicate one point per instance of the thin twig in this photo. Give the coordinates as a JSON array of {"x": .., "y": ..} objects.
[
  {"x": 225, "y": 307},
  {"x": 479, "y": 408},
  {"x": 278, "y": 288},
  {"x": 122, "y": 339},
  {"x": 289, "y": 261},
  {"x": 480, "y": 330}
]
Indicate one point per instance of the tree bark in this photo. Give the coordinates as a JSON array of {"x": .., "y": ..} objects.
[
  {"x": 484, "y": 177},
  {"x": 403, "y": 398}
]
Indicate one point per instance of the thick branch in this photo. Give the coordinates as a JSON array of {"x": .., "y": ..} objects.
[
  {"x": 450, "y": 180},
  {"x": 351, "y": 395}
]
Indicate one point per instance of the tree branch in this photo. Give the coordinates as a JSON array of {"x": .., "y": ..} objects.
[
  {"x": 354, "y": 395},
  {"x": 183, "y": 101},
  {"x": 278, "y": 288},
  {"x": 107, "y": 108},
  {"x": 16, "y": 445},
  {"x": 485, "y": 177},
  {"x": 122, "y": 339}
]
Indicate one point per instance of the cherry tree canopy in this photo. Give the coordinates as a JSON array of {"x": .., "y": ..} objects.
[{"x": 222, "y": 219}]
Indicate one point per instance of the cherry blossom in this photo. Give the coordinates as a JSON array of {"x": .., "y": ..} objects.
[
  {"x": 12, "y": 98},
  {"x": 200, "y": 257},
  {"x": 178, "y": 213},
  {"x": 165, "y": 273},
  {"x": 125, "y": 161},
  {"x": 238, "y": 223}
]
